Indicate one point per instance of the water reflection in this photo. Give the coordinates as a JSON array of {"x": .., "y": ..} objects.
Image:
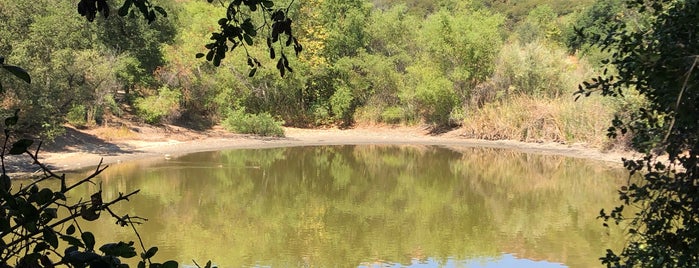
[{"x": 369, "y": 206}]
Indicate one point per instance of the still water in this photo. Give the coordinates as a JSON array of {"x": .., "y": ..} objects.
[{"x": 367, "y": 206}]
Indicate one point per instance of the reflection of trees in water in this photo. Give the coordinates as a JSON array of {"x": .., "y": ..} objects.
[{"x": 287, "y": 206}]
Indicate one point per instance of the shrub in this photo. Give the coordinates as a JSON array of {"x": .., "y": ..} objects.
[
  {"x": 537, "y": 69},
  {"x": 77, "y": 116},
  {"x": 262, "y": 124},
  {"x": 341, "y": 103},
  {"x": 154, "y": 109},
  {"x": 392, "y": 115}
]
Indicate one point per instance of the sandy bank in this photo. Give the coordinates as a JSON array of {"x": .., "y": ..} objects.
[{"x": 86, "y": 148}]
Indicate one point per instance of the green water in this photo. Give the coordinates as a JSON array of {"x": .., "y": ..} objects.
[{"x": 368, "y": 206}]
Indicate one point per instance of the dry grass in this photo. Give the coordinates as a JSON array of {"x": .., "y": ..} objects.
[
  {"x": 114, "y": 133},
  {"x": 528, "y": 119}
]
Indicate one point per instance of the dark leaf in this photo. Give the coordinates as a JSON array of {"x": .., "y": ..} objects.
[
  {"x": 20, "y": 146},
  {"x": 41, "y": 247},
  {"x": 5, "y": 183},
  {"x": 200, "y": 55},
  {"x": 170, "y": 264},
  {"x": 18, "y": 72},
  {"x": 248, "y": 39},
  {"x": 150, "y": 253},
  {"x": 72, "y": 241},
  {"x": 160, "y": 10},
  {"x": 70, "y": 230},
  {"x": 252, "y": 72},
  {"x": 44, "y": 196},
  {"x": 50, "y": 237},
  {"x": 89, "y": 240},
  {"x": 11, "y": 121},
  {"x": 89, "y": 214},
  {"x": 121, "y": 249}
]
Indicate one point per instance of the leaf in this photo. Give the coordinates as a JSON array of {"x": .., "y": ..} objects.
[
  {"x": 89, "y": 240},
  {"x": 89, "y": 214},
  {"x": 160, "y": 10},
  {"x": 19, "y": 73},
  {"x": 50, "y": 237},
  {"x": 121, "y": 249},
  {"x": 252, "y": 72},
  {"x": 124, "y": 9},
  {"x": 70, "y": 230},
  {"x": 170, "y": 264},
  {"x": 20, "y": 146},
  {"x": 248, "y": 39},
  {"x": 150, "y": 253},
  {"x": 200, "y": 55},
  {"x": 11, "y": 121},
  {"x": 41, "y": 247},
  {"x": 5, "y": 183},
  {"x": 44, "y": 196},
  {"x": 72, "y": 241}
]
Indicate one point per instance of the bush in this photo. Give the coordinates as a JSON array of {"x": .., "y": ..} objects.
[
  {"x": 154, "y": 109},
  {"x": 260, "y": 124},
  {"x": 392, "y": 115},
  {"x": 341, "y": 103},
  {"x": 537, "y": 69},
  {"x": 77, "y": 116}
]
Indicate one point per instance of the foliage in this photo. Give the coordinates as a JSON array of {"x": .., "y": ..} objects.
[
  {"x": 656, "y": 55},
  {"x": 162, "y": 106},
  {"x": 238, "y": 28},
  {"x": 540, "y": 23},
  {"x": 536, "y": 69},
  {"x": 262, "y": 124},
  {"x": 38, "y": 222}
]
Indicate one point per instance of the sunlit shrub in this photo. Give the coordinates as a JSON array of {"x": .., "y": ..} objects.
[
  {"x": 154, "y": 109},
  {"x": 537, "y": 69},
  {"x": 76, "y": 116},
  {"x": 341, "y": 103},
  {"x": 262, "y": 124}
]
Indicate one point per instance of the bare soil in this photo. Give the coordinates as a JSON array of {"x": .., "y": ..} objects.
[{"x": 79, "y": 149}]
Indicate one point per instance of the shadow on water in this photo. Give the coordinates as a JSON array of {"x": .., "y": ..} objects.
[{"x": 369, "y": 206}]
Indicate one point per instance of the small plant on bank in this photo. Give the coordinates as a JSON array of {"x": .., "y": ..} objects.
[
  {"x": 154, "y": 109},
  {"x": 262, "y": 124}
]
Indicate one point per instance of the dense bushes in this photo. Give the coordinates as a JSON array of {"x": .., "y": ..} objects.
[{"x": 390, "y": 63}]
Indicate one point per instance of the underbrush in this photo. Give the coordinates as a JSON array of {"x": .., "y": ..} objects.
[
  {"x": 262, "y": 124},
  {"x": 531, "y": 119}
]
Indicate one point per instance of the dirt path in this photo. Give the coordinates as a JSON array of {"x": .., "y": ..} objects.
[{"x": 81, "y": 149}]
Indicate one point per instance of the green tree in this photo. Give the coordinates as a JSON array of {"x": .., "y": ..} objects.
[{"x": 657, "y": 56}]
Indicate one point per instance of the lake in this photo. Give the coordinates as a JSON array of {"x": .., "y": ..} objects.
[{"x": 367, "y": 206}]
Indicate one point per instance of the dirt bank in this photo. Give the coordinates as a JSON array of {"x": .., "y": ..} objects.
[{"x": 85, "y": 148}]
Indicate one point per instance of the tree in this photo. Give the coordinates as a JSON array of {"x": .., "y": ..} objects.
[
  {"x": 657, "y": 56},
  {"x": 31, "y": 226}
]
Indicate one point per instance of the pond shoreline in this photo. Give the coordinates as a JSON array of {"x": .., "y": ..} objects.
[{"x": 80, "y": 149}]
